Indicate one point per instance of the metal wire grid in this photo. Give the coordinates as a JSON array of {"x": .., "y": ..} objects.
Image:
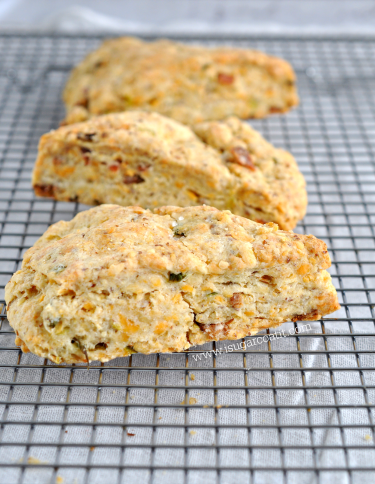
[{"x": 297, "y": 409}]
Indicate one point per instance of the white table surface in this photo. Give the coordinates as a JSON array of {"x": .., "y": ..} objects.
[{"x": 198, "y": 16}]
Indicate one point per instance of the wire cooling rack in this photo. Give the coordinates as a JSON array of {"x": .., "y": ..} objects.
[{"x": 299, "y": 409}]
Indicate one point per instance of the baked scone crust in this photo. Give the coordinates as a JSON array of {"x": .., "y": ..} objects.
[
  {"x": 188, "y": 83},
  {"x": 146, "y": 159},
  {"x": 116, "y": 280}
]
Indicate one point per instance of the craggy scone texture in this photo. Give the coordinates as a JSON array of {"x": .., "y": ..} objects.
[
  {"x": 188, "y": 83},
  {"x": 118, "y": 280},
  {"x": 146, "y": 159}
]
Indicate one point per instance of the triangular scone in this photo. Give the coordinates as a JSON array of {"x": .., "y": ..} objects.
[
  {"x": 140, "y": 158},
  {"x": 116, "y": 280},
  {"x": 188, "y": 83}
]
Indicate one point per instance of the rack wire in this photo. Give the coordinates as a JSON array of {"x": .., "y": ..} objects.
[{"x": 295, "y": 409}]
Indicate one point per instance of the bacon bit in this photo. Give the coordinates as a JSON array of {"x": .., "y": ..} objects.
[
  {"x": 84, "y": 149},
  {"x": 260, "y": 221},
  {"x": 128, "y": 180},
  {"x": 216, "y": 330},
  {"x": 44, "y": 190},
  {"x": 84, "y": 102},
  {"x": 311, "y": 316},
  {"x": 129, "y": 434},
  {"x": 57, "y": 161},
  {"x": 242, "y": 157},
  {"x": 114, "y": 167},
  {"x": 267, "y": 279},
  {"x": 225, "y": 79},
  {"x": 275, "y": 109},
  {"x": 236, "y": 300}
]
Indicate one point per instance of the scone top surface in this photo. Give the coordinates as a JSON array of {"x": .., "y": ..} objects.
[
  {"x": 171, "y": 240},
  {"x": 146, "y": 159},
  {"x": 115, "y": 280},
  {"x": 147, "y": 137},
  {"x": 188, "y": 83}
]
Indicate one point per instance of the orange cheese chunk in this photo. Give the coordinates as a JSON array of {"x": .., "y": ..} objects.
[{"x": 127, "y": 325}]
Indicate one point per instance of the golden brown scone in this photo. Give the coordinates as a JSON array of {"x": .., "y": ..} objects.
[
  {"x": 188, "y": 83},
  {"x": 271, "y": 188},
  {"x": 117, "y": 280},
  {"x": 141, "y": 158}
]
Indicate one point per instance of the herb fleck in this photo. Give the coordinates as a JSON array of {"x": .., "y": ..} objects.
[
  {"x": 59, "y": 268},
  {"x": 86, "y": 136},
  {"x": 176, "y": 277},
  {"x": 213, "y": 294},
  {"x": 52, "y": 322}
]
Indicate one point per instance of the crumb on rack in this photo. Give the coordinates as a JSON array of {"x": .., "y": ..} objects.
[{"x": 34, "y": 460}]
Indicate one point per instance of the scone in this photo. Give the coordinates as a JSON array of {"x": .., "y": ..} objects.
[
  {"x": 188, "y": 83},
  {"x": 118, "y": 280},
  {"x": 141, "y": 158}
]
